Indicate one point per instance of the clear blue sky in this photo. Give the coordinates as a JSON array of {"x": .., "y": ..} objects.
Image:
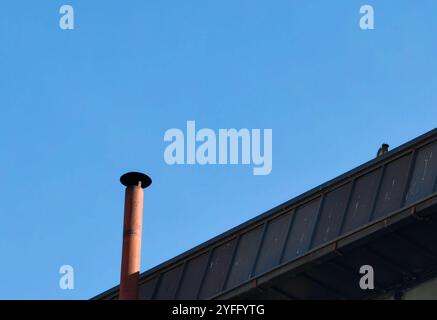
[{"x": 81, "y": 107}]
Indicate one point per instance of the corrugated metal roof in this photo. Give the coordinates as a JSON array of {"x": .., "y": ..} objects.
[{"x": 286, "y": 233}]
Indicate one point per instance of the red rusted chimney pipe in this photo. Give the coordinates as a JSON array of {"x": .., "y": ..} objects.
[{"x": 135, "y": 182}]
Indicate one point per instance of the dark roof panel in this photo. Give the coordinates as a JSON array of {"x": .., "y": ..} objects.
[
  {"x": 299, "y": 239},
  {"x": 192, "y": 277},
  {"x": 273, "y": 243},
  {"x": 242, "y": 264},
  {"x": 423, "y": 181},
  {"x": 331, "y": 216},
  {"x": 217, "y": 269}
]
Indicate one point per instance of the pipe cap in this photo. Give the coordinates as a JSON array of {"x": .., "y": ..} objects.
[{"x": 134, "y": 179}]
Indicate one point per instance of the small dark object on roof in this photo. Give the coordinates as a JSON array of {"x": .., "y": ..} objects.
[{"x": 383, "y": 149}]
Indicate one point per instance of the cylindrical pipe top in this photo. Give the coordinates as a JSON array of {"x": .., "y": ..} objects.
[{"x": 135, "y": 182}]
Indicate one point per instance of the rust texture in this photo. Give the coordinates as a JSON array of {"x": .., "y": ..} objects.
[{"x": 132, "y": 228}]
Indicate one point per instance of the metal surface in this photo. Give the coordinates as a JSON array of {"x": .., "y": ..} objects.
[
  {"x": 135, "y": 179},
  {"x": 360, "y": 205},
  {"x": 332, "y": 214},
  {"x": 301, "y": 230},
  {"x": 217, "y": 269},
  {"x": 244, "y": 259},
  {"x": 343, "y": 222},
  {"x": 132, "y": 226},
  {"x": 190, "y": 284},
  {"x": 393, "y": 183},
  {"x": 168, "y": 283},
  {"x": 270, "y": 252},
  {"x": 400, "y": 248},
  {"x": 423, "y": 180}
]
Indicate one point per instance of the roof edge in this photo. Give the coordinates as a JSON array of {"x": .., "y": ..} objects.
[{"x": 423, "y": 139}]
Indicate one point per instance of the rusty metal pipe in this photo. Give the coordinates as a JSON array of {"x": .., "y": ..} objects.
[{"x": 135, "y": 182}]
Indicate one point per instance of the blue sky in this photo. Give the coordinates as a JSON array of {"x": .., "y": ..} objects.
[{"x": 81, "y": 107}]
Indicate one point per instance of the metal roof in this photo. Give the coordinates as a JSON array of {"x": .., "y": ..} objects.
[{"x": 308, "y": 229}]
